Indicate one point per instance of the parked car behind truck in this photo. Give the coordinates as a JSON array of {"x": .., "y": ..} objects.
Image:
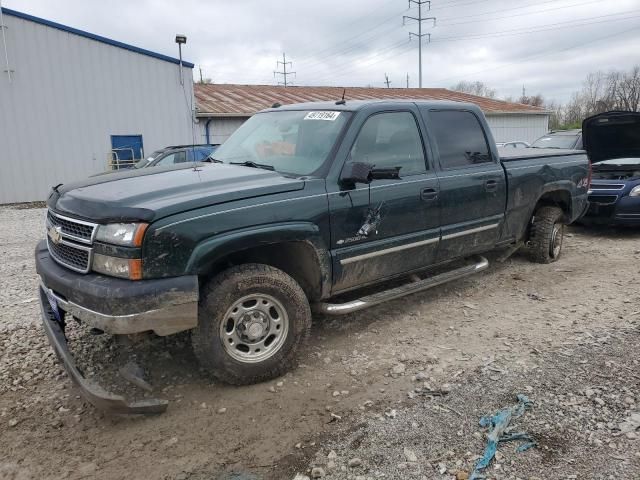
[
  {"x": 306, "y": 205},
  {"x": 612, "y": 141}
]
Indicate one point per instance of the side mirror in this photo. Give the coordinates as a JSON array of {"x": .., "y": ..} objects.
[{"x": 362, "y": 172}]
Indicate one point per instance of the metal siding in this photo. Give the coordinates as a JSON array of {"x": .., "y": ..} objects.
[
  {"x": 69, "y": 94},
  {"x": 512, "y": 127},
  {"x": 220, "y": 128}
]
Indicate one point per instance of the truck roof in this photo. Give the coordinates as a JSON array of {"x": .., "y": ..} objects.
[{"x": 355, "y": 105}]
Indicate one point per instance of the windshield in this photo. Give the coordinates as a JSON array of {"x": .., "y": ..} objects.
[
  {"x": 555, "y": 141},
  {"x": 294, "y": 142},
  {"x": 144, "y": 161}
]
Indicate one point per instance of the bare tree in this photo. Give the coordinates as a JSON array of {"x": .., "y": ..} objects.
[
  {"x": 535, "y": 100},
  {"x": 600, "y": 92},
  {"x": 474, "y": 88}
]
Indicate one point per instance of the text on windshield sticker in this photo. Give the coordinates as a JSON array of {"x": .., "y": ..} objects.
[{"x": 330, "y": 116}]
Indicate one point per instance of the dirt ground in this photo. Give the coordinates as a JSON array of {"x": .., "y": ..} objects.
[{"x": 361, "y": 405}]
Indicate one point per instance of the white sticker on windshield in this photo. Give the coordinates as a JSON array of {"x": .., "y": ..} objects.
[{"x": 331, "y": 116}]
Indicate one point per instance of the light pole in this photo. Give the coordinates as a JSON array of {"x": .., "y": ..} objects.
[{"x": 180, "y": 40}]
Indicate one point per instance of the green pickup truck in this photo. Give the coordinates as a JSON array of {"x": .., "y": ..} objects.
[{"x": 326, "y": 207}]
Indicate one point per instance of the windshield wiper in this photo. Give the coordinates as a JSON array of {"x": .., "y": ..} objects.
[
  {"x": 213, "y": 160},
  {"x": 252, "y": 164}
]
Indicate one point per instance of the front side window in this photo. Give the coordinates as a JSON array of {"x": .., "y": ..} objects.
[
  {"x": 460, "y": 138},
  {"x": 390, "y": 140},
  {"x": 173, "y": 158},
  {"x": 294, "y": 142}
]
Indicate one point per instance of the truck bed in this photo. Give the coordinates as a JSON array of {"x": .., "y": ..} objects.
[{"x": 511, "y": 154}]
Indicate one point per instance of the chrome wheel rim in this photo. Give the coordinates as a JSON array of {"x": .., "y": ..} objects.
[
  {"x": 254, "y": 328},
  {"x": 556, "y": 241}
]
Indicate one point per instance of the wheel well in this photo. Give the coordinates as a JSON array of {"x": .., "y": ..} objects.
[
  {"x": 557, "y": 198},
  {"x": 297, "y": 258}
]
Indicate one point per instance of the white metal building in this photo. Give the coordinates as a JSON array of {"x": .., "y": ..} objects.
[
  {"x": 221, "y": 109},
  {"x": 71, "y": 101}
]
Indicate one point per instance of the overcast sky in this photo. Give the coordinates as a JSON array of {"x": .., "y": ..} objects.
[{"x": 547, "y": 46}]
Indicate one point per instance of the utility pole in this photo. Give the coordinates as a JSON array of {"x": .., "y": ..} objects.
[
  {"x": 284, "y": 72},
  {"x": 201, "y": 80},
  {"x": 386, "y": 80},
  {"x": 419, "y": 19},
  {"x": 407, "y": 79}
]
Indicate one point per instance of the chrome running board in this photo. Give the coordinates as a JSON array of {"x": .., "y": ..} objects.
[{"x": 481, "y": 263}]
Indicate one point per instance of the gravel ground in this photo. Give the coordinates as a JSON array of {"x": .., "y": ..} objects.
[{"x": 566, "y": 335}]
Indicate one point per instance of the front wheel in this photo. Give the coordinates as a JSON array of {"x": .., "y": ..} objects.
[
  {"x": 252, "y": 321},
  {"x": 547, "y": 234}
]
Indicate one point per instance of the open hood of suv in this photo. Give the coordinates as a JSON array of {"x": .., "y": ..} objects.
[
  {"x": 151, "y": 193},
  {"x": 612, "y": 135}
]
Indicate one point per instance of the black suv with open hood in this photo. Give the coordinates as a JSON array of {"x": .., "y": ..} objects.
[{"x": 612, "y": 141}]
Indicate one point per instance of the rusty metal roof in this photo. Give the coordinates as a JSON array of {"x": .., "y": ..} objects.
[{"x": 227, "y": 100}]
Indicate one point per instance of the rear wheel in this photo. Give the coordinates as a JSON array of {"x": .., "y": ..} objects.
[
  {"x": 252, "y": 321},
  {"x": 547, "y": 234}
]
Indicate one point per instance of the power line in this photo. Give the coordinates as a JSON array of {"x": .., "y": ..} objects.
[
  {"x": 541, "y": 55},
  {"x": 284, "y": 72},
  {"x": 543, "y": 28},
  {"x": 419, "y": 35},
  {"x": 540, "y": 28},
  {"x": 444, "y": 21}
]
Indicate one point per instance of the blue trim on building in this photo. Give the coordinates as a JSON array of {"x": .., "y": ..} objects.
[{"x": 97, "y": 38}]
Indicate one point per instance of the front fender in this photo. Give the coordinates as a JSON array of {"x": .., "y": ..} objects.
[{"x": 213, "y": 250}]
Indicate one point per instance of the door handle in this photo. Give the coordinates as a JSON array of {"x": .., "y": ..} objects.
[
  {"x": 491, "y": 185},
  {"x": 429, "y": 194}
]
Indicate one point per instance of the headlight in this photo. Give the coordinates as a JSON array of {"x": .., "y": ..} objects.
[
  {"x": 130, "y": 268},
  {"x": 635, "y": 191},
  {"x": 126, "y": 234}
]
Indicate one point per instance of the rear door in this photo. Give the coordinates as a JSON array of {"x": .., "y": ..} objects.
[
  {"x": 405, "y": 235},
  {"x": 472, "y": 183}
]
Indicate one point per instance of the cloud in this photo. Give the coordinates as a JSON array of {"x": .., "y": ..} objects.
[{"x": 548, "y": 46}]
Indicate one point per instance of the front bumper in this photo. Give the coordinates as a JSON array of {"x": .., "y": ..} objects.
[
  {"x": 93, "y": 393},
  {"x": 117, "y": 306},
  {"x": 623, "y": 211}
]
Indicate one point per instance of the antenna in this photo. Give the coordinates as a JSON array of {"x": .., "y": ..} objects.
[{"x": 342, "y": 101}]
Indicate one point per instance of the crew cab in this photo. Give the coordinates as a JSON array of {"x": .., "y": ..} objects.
[
  {"x": 612, "y": 141},
  {"x": 303, "y": 207}
]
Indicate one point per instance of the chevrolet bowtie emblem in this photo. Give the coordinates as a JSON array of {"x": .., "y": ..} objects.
[{"x": 55, "y": 234}]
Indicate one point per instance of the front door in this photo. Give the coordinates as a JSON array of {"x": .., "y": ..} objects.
[
  {"x": 390, "y": 226},
  {"x": 472, "y": 184}
]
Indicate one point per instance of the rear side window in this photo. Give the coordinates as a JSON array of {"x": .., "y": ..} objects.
[{"x": 460, "y": 138}]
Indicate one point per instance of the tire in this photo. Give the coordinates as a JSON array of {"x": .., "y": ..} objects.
[
  {"x": 241, "y": 342},
  {"x": 547, "y": 233}
]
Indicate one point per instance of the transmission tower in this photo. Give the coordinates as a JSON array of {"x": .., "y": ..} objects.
[
  {"x": 284, "y": 72},
  {"x": 419, "y": 19},
  {"x": 386, "y": 80}
]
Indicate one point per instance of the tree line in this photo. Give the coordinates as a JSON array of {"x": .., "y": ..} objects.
[{"x": 600, "y": 92}]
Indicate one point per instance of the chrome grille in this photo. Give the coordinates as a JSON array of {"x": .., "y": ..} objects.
[
  {"x": 69, "y": 241},
  {"x": 76, "y": 229},
  {"x": 71, "y": 256},
  {"x": 607, "y": 186}
]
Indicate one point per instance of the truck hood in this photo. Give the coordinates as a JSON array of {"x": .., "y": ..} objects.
[
  {"x": 152, "y": 193},
  {"x": 612, "y": 135}
]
